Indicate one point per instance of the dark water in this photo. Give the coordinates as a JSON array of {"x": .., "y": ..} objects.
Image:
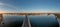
[
  {"x": 13, "y": 21},
  {"x": 43, "y": 21},
  {"x": 35, "y": 21}
]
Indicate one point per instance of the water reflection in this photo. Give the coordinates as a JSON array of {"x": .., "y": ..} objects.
[
  {"x": 36, "y": 21},
  {"x": 44, "y": 21},
  {"x": 13, "y": 21}
]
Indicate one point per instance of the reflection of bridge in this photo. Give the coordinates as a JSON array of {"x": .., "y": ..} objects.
[{"x": 26, "y": 14}]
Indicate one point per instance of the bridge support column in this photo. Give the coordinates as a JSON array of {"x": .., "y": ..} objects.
[
  {"x": 1, "y": 18},
  {"x": 57, "y": 15},
  {"x": 48, "y": 14}
]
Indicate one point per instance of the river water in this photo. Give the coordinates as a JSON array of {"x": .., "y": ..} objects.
[{"x": 35, "y": 21}]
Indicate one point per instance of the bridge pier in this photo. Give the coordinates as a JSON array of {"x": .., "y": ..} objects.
[
  {"x": 57, "y": 15},
  {"x": 48, "y": 14},
  {"x": 1, "y": 18}
]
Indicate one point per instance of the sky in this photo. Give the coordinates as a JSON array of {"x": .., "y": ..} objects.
[{"x": 29, "y": 6}]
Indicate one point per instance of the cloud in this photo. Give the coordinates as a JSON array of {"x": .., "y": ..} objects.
[
  {"x": 1, "y": 3},
  {"x": 8, "y": 7}
]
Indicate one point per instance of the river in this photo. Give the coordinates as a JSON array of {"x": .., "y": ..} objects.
[{"x": 35, "y": 21}]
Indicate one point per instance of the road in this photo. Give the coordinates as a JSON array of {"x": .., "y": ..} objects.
[
  {"x": 59, "y": 21},
  {"x": 26, "y": 22}
]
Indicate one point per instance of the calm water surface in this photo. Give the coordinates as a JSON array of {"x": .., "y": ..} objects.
[{"x": 35, "y": 21}]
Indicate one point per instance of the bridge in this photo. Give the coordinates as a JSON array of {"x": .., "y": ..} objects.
[{"x": 27, "y": 22}]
